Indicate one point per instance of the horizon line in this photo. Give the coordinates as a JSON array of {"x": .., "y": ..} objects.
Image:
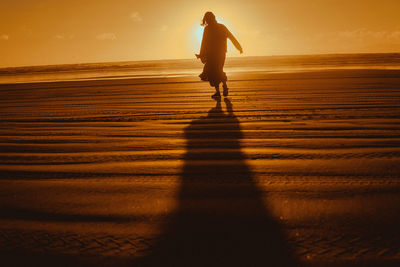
[{"x": 171, "y": 59}]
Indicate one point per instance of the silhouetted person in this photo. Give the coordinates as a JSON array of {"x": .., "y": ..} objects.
[
  {"x": 221, "y": 219},
  {"x": 213, "y": 51}
]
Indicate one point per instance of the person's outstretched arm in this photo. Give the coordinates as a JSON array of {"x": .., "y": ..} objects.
[{"x": 234, "y": 41}]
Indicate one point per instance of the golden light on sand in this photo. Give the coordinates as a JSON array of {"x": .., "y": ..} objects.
[
  {"x": 285, "y": 161},
  {"x": 112, "y": 168}
]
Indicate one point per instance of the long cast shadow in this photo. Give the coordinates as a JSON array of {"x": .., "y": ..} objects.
[{"x": 221, "y": 219}]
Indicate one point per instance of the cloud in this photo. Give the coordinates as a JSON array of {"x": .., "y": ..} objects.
[
  {"x": 164, "y": 28},
  {"x": 64, "y": 36},
  {"x": 135, "y": 16},
  {"x": 4, "y": 37},
  {"x": 106, "y": 36},
  {"x": 359, "y": 36},
  {"x": 362, "y": 35},
  {"x": 395, "y": 35},
  {"x": 355, "y": 40}
]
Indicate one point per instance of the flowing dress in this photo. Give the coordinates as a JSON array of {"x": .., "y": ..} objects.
[{"x": 213, "y": 51}]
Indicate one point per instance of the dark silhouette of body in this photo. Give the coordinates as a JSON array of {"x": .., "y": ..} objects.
[
  {"x": 213, "y": 51},
  {"x": 221, "y": 219}
]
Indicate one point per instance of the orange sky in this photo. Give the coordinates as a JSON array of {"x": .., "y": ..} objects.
[{"x": 37, "y": 32}]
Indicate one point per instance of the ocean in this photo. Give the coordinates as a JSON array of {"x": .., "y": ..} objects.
[{"x": 192, "y": 67}]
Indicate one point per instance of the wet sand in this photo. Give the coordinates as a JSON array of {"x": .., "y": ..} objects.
[{"x": 291, "y": 169}]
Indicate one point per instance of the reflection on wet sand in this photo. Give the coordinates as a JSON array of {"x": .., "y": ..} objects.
[{"x": 221, "y": 219}]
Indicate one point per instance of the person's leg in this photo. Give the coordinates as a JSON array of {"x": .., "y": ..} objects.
[
  {"x": 217, "y": 93},
  {"x": 213, "y": 75},
  {"x": 223, "y": 77},
  {"x": 226, "y": 89}
]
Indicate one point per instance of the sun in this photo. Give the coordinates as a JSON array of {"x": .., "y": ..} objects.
[
  {"x": 198, "y": 32},
  {"x": 192, "y": 31}
]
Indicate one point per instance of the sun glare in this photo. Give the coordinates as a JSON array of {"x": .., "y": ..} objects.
[{"x": 199, "y": 33}]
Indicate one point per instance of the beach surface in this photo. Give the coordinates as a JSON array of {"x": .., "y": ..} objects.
[{"x": 291, "y": 169}]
